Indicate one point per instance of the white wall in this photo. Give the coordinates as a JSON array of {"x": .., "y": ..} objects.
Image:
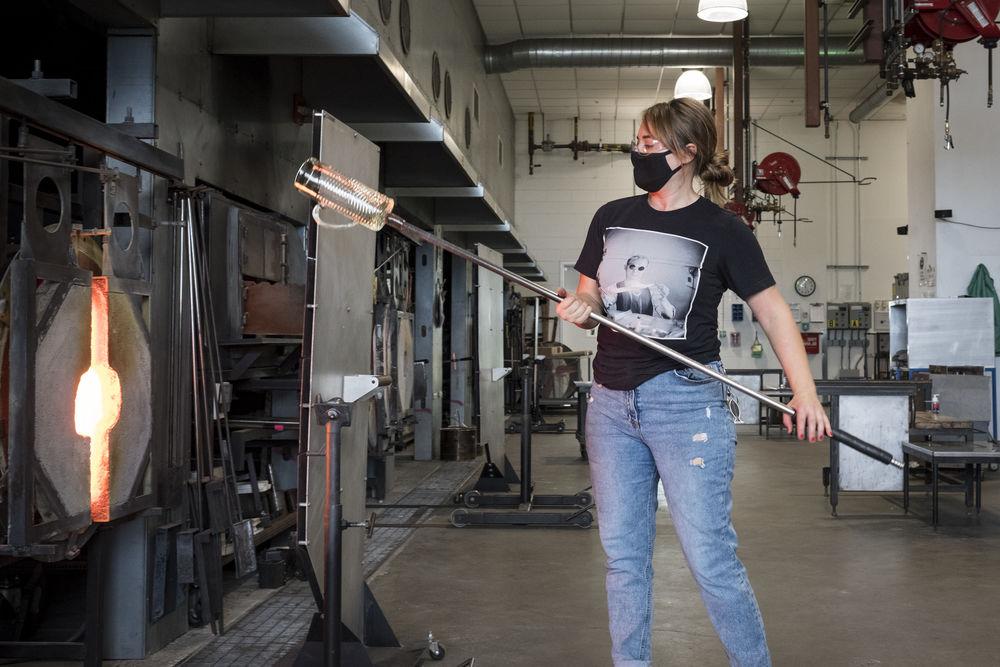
[
  {"x": 966, "y": 177},
  {"x": 555, "y": 205}
]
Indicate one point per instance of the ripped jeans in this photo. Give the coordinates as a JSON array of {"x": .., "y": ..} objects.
[{"x": 675, "y": 427}]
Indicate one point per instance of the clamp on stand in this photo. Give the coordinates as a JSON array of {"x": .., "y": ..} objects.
[{"x": 339, "y": 646}]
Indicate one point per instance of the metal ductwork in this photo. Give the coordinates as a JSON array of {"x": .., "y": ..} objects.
[
  {"x": 654, "y": 52},
  {"x": 871, "y": 104}
]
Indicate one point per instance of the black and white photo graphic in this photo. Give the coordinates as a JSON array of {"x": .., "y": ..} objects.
[{"x": 648, "y": 280}]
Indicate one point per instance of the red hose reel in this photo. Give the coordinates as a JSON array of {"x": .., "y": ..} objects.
[
  {"x": 778, "y": 174},
  {"x": 953, "y": 21}
]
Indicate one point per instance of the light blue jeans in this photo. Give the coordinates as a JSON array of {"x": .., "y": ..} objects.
[{"x": 675, "y": 427}]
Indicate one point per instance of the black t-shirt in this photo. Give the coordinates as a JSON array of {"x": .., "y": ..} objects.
[{"x": 663, "y": 274}]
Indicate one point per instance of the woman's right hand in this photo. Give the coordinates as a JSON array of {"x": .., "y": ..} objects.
[{"x": 572, "y": 308}]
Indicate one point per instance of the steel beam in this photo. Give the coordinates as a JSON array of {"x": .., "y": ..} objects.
[
  {"x": 429, "y": 132},
  {"x": 59, "y": 119},
  {"x": 475, "y": 191},
  {"x": 294, "y": 36},
  {"x": 272, "y": 8}
]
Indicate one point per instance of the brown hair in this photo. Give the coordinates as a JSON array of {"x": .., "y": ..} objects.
[{"x": 683, "y": 121}]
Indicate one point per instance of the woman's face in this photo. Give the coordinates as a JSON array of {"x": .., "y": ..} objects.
[{"x": 649, "y": 143}]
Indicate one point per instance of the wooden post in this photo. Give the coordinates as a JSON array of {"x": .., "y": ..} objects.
[
  {"x": 810, "y": 36},
  {"x": 720, "y": 108}
]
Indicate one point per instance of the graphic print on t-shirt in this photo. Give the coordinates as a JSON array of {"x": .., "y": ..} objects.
[{"x": 648, "y": 280}]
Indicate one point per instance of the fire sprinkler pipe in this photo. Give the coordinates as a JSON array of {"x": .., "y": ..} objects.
[{"x": 373, "y": 210}]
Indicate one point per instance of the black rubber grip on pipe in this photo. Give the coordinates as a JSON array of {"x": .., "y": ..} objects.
[{"x": 860, "y": 445}]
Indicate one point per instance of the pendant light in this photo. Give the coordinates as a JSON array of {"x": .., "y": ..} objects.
[
  {"x": 692, "y": 83},
  {"x": 722, "y": 11}
]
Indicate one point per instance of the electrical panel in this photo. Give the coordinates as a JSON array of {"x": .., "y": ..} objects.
[
  {"x": 854, "y": 315},
  {"x": 860, "y": 316},
  {"x": 737, "y": 312},
  {"x": 837, "y": 315}
]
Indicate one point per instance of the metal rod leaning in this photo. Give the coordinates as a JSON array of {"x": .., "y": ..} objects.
[{"x": 373, "y": 210}]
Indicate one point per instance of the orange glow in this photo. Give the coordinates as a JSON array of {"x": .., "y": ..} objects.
[{"x": 98, "y": 403}]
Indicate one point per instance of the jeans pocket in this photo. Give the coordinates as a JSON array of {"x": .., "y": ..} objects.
[{"x": 693, "y": 376}]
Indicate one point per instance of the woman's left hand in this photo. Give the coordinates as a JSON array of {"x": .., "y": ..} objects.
[{"x": 810, "y": 418}]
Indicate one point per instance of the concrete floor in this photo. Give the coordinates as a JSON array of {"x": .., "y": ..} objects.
[{"x": 872, "y": 587}]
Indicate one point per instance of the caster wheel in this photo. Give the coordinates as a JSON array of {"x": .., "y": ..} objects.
[
  {"x": 472, "y": 499},
  {"x": 458, "y": 498},
  {"x": 562, "y": 427},
  {"x": 993, "y": 467},
  {"x": 584, "y": 500},
  {"x": 585, "y": 520},
  {"x": 437, "y": 654},
  {"x": 460, "y": 518}
]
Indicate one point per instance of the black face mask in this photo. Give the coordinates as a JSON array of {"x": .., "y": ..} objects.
[{"x": 651, "y": 172}]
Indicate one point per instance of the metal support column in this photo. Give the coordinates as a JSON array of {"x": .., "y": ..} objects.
[
  {"x": 427, "y": 344},
  {"x": 461, "y": 409}
]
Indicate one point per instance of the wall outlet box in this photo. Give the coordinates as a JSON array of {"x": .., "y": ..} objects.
[{"x": 940, "y": 213}]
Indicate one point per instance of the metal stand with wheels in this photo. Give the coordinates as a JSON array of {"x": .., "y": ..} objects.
[
  {"x": 339, "y": 646},
  {"x": 525, "y": 501}
]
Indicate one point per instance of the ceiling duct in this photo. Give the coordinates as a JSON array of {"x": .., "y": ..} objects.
[{"x": 654, "y": 52}]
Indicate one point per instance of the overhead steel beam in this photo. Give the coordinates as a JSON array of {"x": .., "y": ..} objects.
[
  {"x": 205, "y": 8},
  {"x": 59, "y": 119},
  {"x": 294, "y": 36},
  {"x": 505, "y": 227},
  {"x": 475, "y": 191},
  {"x": 385, "y": 133}
]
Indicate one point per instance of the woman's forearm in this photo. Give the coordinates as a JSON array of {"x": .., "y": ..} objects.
[
  {"x": 595, "y": 304},
  {"x": 776, "y": 319}
]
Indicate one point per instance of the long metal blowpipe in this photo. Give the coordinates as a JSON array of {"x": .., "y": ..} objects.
[{"x": 373, "y": 210}]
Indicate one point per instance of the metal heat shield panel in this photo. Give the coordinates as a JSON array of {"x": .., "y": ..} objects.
[
  {"x": 130, "y": 357},
  {"x": 272, "y": 309},
  {"x": 490, "y": 341},
  {"x": 882, "y": 420},
  {"x": 341, "y": 345},
  {"x": 62, "y": 356}
]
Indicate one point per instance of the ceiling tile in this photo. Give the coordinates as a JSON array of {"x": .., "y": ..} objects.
[
  {"x": 533, "y": 10},
  {"x": 553, "y": 74},
  {"x": 648, "y": 26},
  {"x": 596, "y": 26},
  {"x": 545, "y": 27},
  {"x": 492, "y": 13}
]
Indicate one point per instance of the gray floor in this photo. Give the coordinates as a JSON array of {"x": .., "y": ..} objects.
[{"x": 872, "y": 587}]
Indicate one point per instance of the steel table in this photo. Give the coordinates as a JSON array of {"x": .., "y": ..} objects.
[{"x": 936, "y": 453}]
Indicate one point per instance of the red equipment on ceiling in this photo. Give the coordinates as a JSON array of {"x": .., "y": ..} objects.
[
  {"x": 953, "y": 21},
  {"x": 778, "y": 174}
]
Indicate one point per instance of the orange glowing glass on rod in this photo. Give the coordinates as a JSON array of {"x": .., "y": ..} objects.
[{"x": 99, "y": 403}]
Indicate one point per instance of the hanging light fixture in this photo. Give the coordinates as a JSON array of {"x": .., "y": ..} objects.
[
  {"x": 722, "y": 11},
  {"x": 692, "y": 83}
]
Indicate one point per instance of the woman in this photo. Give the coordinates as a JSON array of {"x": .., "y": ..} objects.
[{"x": 652, "y": 419}]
